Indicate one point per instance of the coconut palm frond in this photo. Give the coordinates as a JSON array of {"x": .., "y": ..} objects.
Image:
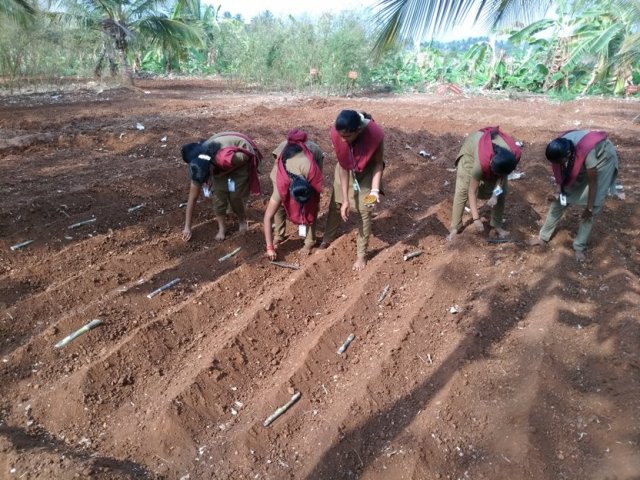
[
  {"x": 503, "y": 13},
  {"x": 137, "y": 9},
  {"x": 415, "y": 19},
  {"x": 162, "y": 30},
  {"x": 629, "y": 52}
]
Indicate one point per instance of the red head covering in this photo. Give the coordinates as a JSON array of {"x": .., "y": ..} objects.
[
  {"x": 306, "y": 214},
  {"x": 356, "y": 155},
  {"x": 584, "y": 146},
  {"x": 485, "y": 149}
]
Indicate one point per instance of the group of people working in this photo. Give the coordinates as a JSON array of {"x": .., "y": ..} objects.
[
  {"x": 584, "y": 165},
  {"x": 225, "y": 166}
]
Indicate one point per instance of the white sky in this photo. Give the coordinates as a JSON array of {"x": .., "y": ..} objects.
[
  {"x": 250, "y": 8},
  {"x": 314, "y": 8}
]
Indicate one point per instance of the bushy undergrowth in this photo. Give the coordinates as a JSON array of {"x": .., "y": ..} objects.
[{"x": 331, "y": 54}]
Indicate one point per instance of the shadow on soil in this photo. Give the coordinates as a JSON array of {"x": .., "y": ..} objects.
[
  {"x": 389, "y": 423},
  {"x": 29, "y": 442}
]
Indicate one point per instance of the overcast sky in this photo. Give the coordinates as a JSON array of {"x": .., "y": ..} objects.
[
  {"x": 250, "y": 8},
  {"x": 313, "y": 8}
]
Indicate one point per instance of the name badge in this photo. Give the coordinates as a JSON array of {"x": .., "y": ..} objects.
[
  {"x": 231, "y": 185},
  {"x": 563, "y": 200},
  {"x": 302, "y": 230},
  {"x": 356, "y": 185},
  {"x": 206, "y": 190},
  {"x": 497, "y": 191}
]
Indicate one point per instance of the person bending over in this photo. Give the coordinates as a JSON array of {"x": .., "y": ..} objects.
[
  {"x": 225, "y": 166},
  {"x": 585, "y": 167},
  {"x": 297, "y": 185},
  {"x": 485, "y": 160}
]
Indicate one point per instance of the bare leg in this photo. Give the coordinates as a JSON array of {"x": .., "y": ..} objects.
[{"x": 221, "y": 230}]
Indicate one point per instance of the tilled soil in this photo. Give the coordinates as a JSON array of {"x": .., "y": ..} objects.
[{"x": 536, "y": 375}]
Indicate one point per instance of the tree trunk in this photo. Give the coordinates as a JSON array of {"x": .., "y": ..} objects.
[{"x": 126, "y": 73}]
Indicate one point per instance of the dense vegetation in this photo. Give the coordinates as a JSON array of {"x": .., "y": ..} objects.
[{"x": 590, "y": 47}]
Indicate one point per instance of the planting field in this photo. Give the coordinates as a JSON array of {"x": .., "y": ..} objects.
[{"x": 536, "y": 375}]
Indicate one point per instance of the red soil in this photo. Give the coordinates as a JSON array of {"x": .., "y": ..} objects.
[{"x": 537, "y": 375}]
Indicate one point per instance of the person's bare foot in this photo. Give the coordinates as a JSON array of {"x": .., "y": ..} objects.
[
  {"x": 502, "y": 233},
  {"x": 307, "y": 250},
  {"x": 536, "y": 242},
  {"x": 452, "y": 235},
  {"x": 359, "y": 264},
  {"x": 324, "y": 245},
  {"x": 242, "y": 226},
  {"x": 580, "y": 256},
  {"x": 221, "y": 228}
]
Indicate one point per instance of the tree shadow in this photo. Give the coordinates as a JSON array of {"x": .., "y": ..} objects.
[
  {"x": 23, "y": 440},
  {"x": 484, "y": 333}
]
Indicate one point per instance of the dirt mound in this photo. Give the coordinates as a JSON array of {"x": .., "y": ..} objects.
[{"x": 471, "y": 360}]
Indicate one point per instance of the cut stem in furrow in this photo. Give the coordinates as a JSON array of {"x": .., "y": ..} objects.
[
  {"x": 324, "y": 380},
  {"x": 152, "y": 354},
  {"x": 293, "y": 364},
  {"x": 75, "y": 261},
  {"x": 406, "y": 386},
  {"x": 40, "y": 308},
  {"x": 219, "y": 360},
  {"x": 107, "y": 207}
]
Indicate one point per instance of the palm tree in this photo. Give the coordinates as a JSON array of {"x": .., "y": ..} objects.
[
  {"x": 415, "y": 19},
  {"x": 125, "y": 21},
  {"x": 187, "y": 14},
  {"x": 204, "y": 19}
]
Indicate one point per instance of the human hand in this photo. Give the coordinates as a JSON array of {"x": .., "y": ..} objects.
[
  {"x": 186, "y": 234},
  {"x": 493, "y": 201},
  {"x": 373, "y": 198},
  {"x": 271, "y": 253},
  {"x": 587, "y": 214},
  {"x": 344, "y": 211},
  {"x": 479, "y": 226}
]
